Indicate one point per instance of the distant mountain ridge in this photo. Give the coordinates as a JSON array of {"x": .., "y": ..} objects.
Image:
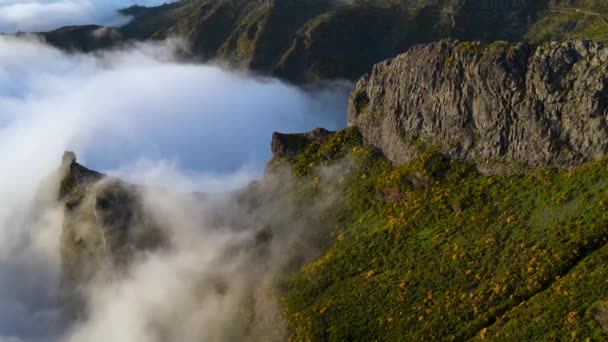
[{"x": 308, "y": 41}]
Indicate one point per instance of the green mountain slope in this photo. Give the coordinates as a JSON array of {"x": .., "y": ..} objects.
[{"x": 433, "y": 250}]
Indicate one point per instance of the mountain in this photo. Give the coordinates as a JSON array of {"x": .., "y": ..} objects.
[
  {"x": 85, "y": 38},
  {"x": 430, "y": 249},
  {"x": 105, "y": 226},
  {"x": 437, "y": 241},
  {"x": 431, "y": 245},
  {"x": 307, "y": 41},
  {"x": 433, "y": 250},
  {"x": 466, "y": 199}
]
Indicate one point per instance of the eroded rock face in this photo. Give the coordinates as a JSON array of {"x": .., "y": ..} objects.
[{"x": 506, "y": 106}]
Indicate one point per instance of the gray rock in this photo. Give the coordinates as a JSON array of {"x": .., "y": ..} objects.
[
  {"x": 505, "y": 106},
  {"x": 599, "y": 312}
]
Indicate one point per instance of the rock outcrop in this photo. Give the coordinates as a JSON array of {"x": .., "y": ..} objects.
[
  {"x": 505, "y": 106},
  {"x": 288, "y": 145},
  {"x": 104, "y": 226}
]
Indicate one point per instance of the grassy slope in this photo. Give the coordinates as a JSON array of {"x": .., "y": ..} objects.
[
  {"x": 432, "y": 250},
  {"x": 580, "y": 20}
]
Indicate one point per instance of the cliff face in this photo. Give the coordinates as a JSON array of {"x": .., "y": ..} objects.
[{"x": 504, "y": 106}]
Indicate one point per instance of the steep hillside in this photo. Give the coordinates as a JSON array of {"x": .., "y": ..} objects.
[
  {"x": 431, "y": 250},
  {"x": 427, "y": 250},
  {"x": 571, "y": 19},
  {"x": 304, "y": 41},
  {"x": 467, "y": 199}
]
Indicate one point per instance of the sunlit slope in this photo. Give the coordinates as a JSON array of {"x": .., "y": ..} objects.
[{"x": 433, "y": 250}]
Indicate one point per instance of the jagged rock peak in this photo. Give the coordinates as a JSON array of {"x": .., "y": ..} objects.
[
  {"x": 505, "y": 106},
  {"x": 68, "y": 158},
  {"x": 75, "y": 178},
  {"x": 288, "y": 145}
]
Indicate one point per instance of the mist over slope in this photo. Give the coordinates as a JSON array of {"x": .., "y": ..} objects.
[
  {"x": 336, "y": 241},
  {"x": 136, "y": 111}
]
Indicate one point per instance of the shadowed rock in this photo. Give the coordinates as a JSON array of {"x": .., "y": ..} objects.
[
  {"x": 105, "y": 226},
  {"x": 83, "y": 38},
  {"x": 288, "y": 145}
]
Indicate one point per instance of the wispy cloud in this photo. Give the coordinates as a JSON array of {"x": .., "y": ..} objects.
[{"x": 148, "y": 118}]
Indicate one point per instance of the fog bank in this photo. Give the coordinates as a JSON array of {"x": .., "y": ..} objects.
[{"x": 139, "y": 115}]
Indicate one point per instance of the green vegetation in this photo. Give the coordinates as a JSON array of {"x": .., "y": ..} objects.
[
  {"x": 569, "y": 26},
  {"x": 434, "y": 250},
  {"x": 469, "y": 47}
]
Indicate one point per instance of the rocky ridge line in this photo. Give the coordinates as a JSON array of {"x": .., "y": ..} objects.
[{"x": 505, "y": 106}]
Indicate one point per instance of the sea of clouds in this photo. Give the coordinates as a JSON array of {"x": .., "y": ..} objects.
[
  {"x": 44, "y": 15},
  {"x": 140, "y": 115}
]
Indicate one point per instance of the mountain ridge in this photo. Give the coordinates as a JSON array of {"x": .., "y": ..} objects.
[{"x": 304, "y": 42}]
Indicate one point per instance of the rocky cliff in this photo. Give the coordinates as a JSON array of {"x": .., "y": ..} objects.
[{"x": 506, "y": 106}]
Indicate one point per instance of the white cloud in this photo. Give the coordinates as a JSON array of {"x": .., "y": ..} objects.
[
  {"x": 150, "y": 119},
  {"x": 129, "y": 105},
  {"x": 43, "y": 15}
]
